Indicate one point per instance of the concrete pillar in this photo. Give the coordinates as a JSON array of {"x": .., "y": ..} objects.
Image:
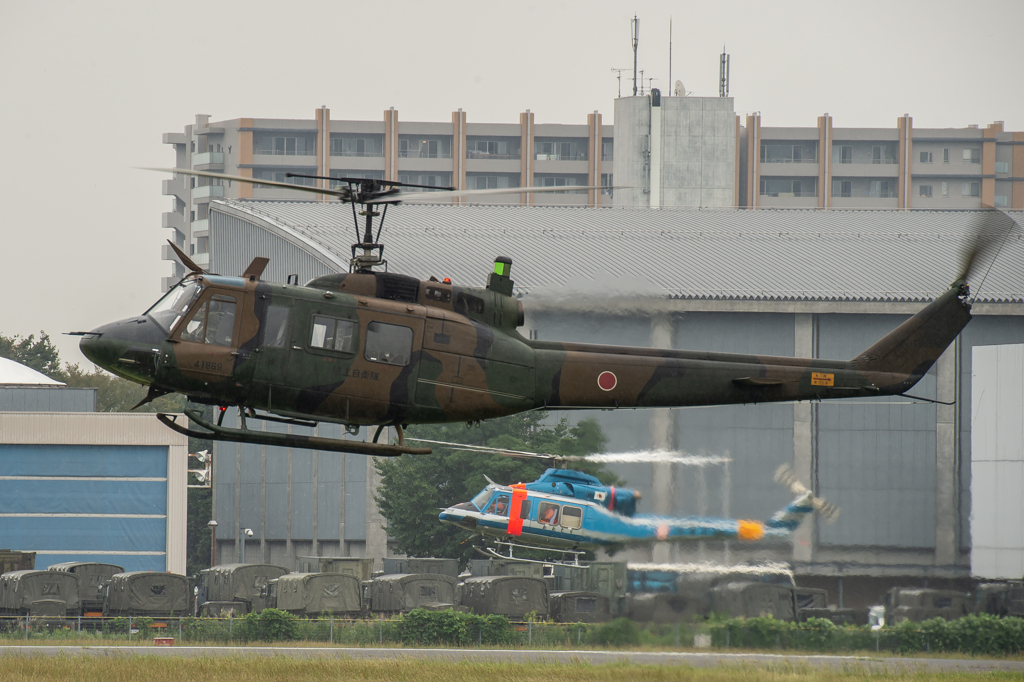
[
  {"x": 323, "y": 148},
  {"x": 526, "y": 155},
  {"x": 663, "y": 438},
  {"x": 988, "y": 164},
  {"x": 753, "y": 160},
  {"x": 905, "y": 124},
  {"x": 459, "y": 153},
  {"x": 391, "y": 144},
  {"x": 945, "y": 458},
  {"x": 824, "y": 161},
  {"x": 594, "y": 166},
  {"x": 376, "y": 536},
  {"x": 803, "y": 440}
]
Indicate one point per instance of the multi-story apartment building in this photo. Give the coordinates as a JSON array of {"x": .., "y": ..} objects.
[{"x": 726, "y": 164}]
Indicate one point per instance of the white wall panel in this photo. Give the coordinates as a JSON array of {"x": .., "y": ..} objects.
[{"x": 997, "y": 464}]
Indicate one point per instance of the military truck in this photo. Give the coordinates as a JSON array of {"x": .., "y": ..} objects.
[
  {"x": 244, "y": 583},
  {"x": 146, "y": 593},
  {"x": 403, "y": 592},
  {"x": 394, "y": 565},
  {"x": 13, "y": 560},
  {"x": 360, "y": 569},
  {"x": 92, "y": 582},
  {"x": 667, "y": 607},
  {"x": 505, "y": 595},
  {"x": 578, "y": 607},
  {"x": 750, "y": 600},
  {"x": 39, "y": 594},
  {"x": 920, "y": 604},
  {"x": 309, "y": 594},
  {"x": 607, "y": 578},
  {"x": 1000, "y": 599}
]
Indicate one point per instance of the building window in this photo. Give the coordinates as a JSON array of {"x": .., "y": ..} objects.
[
  {"x": 607, "y": 150},
  {"x": 281, "y": 176},
  {"x": 357, "y": 146},
  {"x": 882, "y": 189},
  {"x": 971, "y": 189},
  {"x": 842, "y": 154},
  {"x": 1002, "y": 166},
  {"x": 414, "y": 147},
  {"x": 437, "y": 180},
  {"x": 607, "y": 183},
  {"x": 945, "y": 156},
  {"x": 842, "y": 188},
  {"x": 925, "y": 191},
  {"x": 787, "y": 153},
  {"x": 1001, "y": 201},
  {"x": 492, "y": 148},
  {"x": 883, "y": 153},
  {"x": 972, "y": 155},
  {"x": 926, "y": 157},
  {"x": 491, "y": 181},
  {"x": 272, "y": 145},
  {"x": 945, "y": 189},
  {"x": 786, "y": 187},
  {"x": 548, "y": 149}
]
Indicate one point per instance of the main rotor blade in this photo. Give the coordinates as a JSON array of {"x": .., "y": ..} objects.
[
  {"x": 989, "y": 233},
  {"x": 359, "y": 181},
  {"x": 186, "y": 261},
  {"x": 431, "y": 197},
  {"x": 343, "y": 193},
  {"x": 653, "y": 456}
]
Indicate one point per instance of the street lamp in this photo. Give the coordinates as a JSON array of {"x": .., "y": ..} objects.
[
  {"x": 246, "y": 533},
  {"x": 212, "y": 525}
]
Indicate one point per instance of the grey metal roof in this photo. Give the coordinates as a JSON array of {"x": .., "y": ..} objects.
[{"x": 765, "y": 254}]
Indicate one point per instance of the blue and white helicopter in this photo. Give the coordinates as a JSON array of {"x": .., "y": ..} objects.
[{"x": 571, "y": 512}]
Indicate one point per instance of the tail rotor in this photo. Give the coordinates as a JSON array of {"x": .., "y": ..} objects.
[{"x": 785, "y": 475}]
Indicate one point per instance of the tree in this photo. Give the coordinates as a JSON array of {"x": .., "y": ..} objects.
[
  {"x": 40, "y": 355},
  {"x": 414, "y": 488}
]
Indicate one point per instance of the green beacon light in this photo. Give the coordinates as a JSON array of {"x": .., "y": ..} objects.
[{"x": 500, "y": 280}]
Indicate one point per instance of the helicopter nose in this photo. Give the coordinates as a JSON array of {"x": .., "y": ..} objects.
[{"x": 127, "y": 348}]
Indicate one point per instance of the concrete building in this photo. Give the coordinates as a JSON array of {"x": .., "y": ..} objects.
[
  {"x": 78, "y": 485},
  {"x": 699, "y": 154},
  {"x": 779, "y": 282}
]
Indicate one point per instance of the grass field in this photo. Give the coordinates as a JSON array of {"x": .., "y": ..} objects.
[{"x": 274, "y": 669}]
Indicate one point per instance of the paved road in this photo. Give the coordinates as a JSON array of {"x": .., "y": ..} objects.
[{"x": 697, "y": 660}]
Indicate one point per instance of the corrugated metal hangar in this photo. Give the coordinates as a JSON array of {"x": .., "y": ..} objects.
[
  {"x": 79, "y": 485},
  {"x": 778, "y": 282}
]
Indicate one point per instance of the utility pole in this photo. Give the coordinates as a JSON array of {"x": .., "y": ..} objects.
[{"x": 636, "y": 40}]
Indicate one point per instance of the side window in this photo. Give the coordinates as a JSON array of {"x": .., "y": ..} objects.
[
  {"x": 572, "y": 517},
  {"x": 333, "y": 334},
  {"x": 524, "y": 510},
  {"x": 547, "y": 512},
  {"x": 220, "y": 321},
  {"x": 388, "y": 343},
  {"x": 499, "y": 506},
  {"x": 275, "y": 326},
  {"x": 195, "y": 328},
  {"x": 213, "y": 322}
]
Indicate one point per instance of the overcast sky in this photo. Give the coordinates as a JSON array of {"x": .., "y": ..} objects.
[{"x": 87, "y": 89}]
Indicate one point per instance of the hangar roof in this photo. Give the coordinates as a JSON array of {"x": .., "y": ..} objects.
[
  {"x": 14, "y": 373},
  {"x": 765, "y": 254}
]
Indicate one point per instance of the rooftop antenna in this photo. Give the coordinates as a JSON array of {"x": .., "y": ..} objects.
[
  {"x": 618, "y": 75},
  {"x": 641, "y": 83},
  {"x": 723, "y": 75},
  {"x": 636, "y": 41},
  {"x": 670, "y": 48}
]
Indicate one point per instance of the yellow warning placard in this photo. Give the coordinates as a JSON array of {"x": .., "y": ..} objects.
[{"x": 822, "y": 379}]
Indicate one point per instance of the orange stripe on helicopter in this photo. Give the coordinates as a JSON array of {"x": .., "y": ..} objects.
[
  {"x": 515, "y": 520},
  {"x": 749, "y": 530}
]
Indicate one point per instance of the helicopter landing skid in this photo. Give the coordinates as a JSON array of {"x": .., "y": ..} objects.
[
  {"x": 490, "y": 551},
  {"x": 222, "y": 433}
]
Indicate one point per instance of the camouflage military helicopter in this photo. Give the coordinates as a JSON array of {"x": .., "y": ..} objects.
[
  {"x": 372, "y": 347},
  {"x": 570, "y": 512}
]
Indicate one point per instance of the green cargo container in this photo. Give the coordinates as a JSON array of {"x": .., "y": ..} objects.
[
  {"x": 403, "y": 592},
  {"x": 505, "y": 595},
  {"x": 309, "y": 594},
  {"x": 360, "y": 569},
  {"x": 244, "y": 583},
  {"x": 147, "y": 593},
  {"x": 39, "y": 593},
  {"x": 92, "y": 580}
]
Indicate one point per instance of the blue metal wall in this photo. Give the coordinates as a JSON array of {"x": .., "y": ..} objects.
[{"x": 85, "y": 503}]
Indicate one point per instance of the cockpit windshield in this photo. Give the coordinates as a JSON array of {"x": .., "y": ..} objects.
[
  {"x": 175, "y": 303},
  {"x": 482, "y": 497}
]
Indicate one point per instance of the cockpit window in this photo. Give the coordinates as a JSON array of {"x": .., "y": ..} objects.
[
  {"x": 213, "y": 322},
  {"x": 175, "y": 303},
  {"x": 481, "y": 498}
]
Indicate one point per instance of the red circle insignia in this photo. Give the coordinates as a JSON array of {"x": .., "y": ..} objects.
[{"x": 606, "y": 381}]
